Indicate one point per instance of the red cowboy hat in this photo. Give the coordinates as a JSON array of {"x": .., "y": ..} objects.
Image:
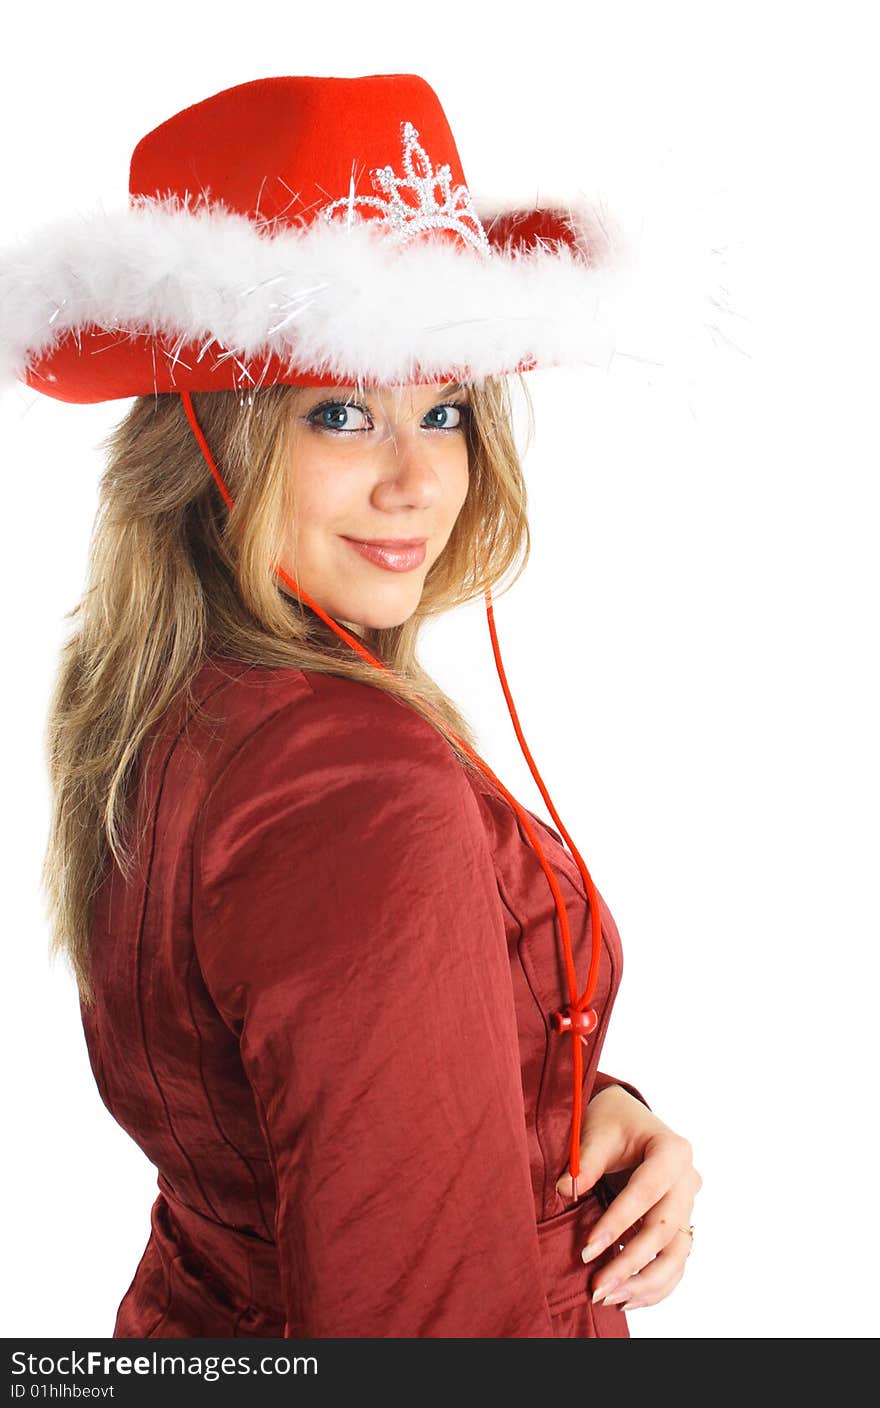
[{"x": 302, "y": 230}]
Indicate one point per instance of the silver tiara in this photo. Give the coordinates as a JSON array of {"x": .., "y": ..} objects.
[{"x": 453, "y": 209}]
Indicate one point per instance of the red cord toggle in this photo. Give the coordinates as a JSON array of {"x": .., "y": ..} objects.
[{"x": 583, "y": 1020}]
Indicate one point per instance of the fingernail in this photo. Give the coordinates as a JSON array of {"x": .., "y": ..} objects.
[
  {"x": 594, "y": 1248},
  {"x": 605, "y": 1291}
]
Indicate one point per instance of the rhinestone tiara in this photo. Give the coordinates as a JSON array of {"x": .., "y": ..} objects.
[{"x": 410, "y": 203}]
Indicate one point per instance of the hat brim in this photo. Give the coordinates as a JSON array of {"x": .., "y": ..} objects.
[{"x": 164, "y": 297}]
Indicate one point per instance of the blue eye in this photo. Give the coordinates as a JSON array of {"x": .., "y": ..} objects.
[
  {"x": 338, "y": 416},
  {"x": 341, "y": 417},
  {"x": 451, "y": 416}
]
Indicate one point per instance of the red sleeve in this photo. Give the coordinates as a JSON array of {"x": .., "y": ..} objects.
[
  {"x": 601, "y": 1082},
  {"x": 349, "y": 929}
]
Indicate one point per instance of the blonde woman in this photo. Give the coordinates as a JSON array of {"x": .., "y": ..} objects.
[{"x": 347, "y": 994}]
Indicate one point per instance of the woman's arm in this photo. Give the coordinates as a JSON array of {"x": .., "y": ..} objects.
[{"x": 349, "y": 930}]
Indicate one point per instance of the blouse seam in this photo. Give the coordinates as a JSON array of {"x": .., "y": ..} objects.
[
  {"x": 525, "y": 963},
  {"x": 139, "y": 958},
  {"x": 214, "y": 1114},
  {"x": 545, "y": 1063}
]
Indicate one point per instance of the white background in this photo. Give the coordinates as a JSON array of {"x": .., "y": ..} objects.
[{"x": 692, "y": 649}]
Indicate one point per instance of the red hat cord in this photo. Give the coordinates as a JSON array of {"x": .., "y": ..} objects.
[{"x": 577, "y": 1018}]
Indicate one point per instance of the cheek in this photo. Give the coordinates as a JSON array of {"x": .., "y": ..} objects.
[
  {"x": 456, "y": 475},
  {"x": 320, "y": 496},
  {"x": 463, "y": 483}
]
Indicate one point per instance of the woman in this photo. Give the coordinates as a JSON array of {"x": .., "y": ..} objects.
[{"x": 330, "y": 969}]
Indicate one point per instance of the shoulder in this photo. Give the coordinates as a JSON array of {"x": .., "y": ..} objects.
[
  {"x": 307, "y": 736},
  {"x": 251, "y": 699}
]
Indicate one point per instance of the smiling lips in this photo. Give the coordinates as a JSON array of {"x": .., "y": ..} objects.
[{"x": 394, "y": 554}]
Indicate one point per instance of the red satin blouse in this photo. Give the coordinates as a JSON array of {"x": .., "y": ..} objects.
[{"x": 323, "y": 1002}]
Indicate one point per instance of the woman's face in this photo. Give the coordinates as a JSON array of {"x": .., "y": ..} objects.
[{"x": 391, "y": 470}]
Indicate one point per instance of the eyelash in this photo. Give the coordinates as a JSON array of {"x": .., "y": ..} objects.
[{"x": 462, "y": 406}]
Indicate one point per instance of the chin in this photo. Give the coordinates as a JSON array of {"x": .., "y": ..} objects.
[
  {"x": 382, "y": 617},
  {"x": 384, "y": 621}
]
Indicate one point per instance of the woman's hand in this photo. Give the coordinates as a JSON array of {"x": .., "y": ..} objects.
[{"x": 621, "y": 1135}]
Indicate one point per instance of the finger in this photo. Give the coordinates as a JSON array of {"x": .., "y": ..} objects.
[
  {"x": 655, "y": 1281},
  {"x": 640, "y": 1254},
  {"x": 599, "y": 1151},
  {"x": 667, "y": 1158},
  {"x": 660, "y": 1226}
]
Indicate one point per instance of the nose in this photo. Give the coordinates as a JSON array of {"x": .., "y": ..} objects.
[{"x": 408, "y": 475}]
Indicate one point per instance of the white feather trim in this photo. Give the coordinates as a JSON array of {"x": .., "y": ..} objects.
[{"x": 339, "y": 299}]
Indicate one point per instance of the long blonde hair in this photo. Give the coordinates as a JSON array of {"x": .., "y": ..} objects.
[{"x": 174, "y": 575}]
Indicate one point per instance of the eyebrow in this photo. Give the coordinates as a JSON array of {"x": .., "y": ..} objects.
[{"x": 347, "y": 392}]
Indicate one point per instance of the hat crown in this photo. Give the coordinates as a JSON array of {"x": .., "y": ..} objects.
[{"x": 290, "y": 150}]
